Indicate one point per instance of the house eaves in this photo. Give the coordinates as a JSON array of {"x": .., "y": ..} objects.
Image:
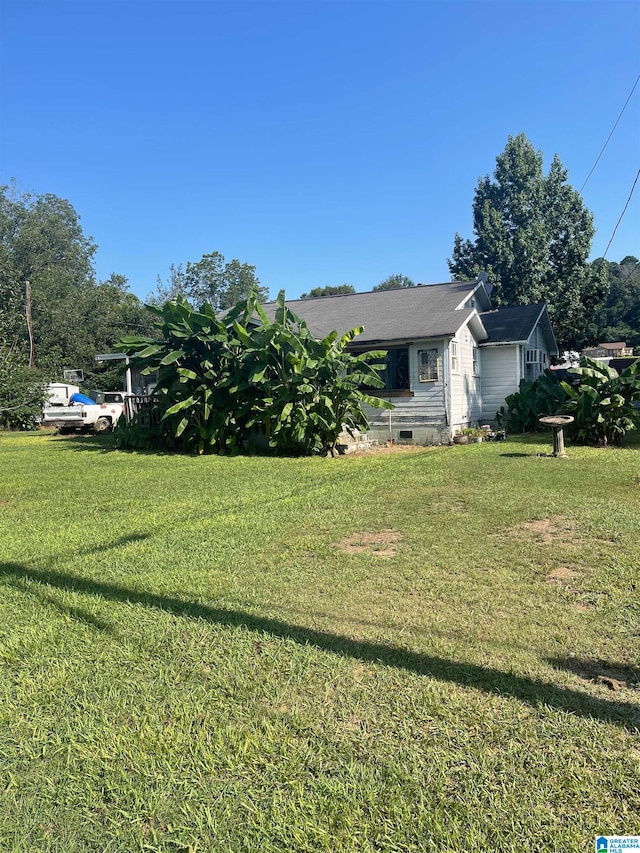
[{"x": 474, "y": 322}]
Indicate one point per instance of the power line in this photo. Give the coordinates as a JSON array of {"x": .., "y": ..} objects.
[
  {"x": 622, "y": 214},
  {"x": 611, "y": 134}
]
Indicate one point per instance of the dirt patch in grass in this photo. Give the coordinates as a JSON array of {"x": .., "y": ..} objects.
[
  {"x": 583, "y": 607},
  {"x": 381, "y": 544},
  {"x": 609, "y": 675},
  {"x": 562, "y": 574},
  {"x": 547, "y": 531},
  {"x": 447, "y": 504}
]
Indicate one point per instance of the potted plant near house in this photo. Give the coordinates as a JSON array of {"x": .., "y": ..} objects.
[{"x": 469, "y": 434}]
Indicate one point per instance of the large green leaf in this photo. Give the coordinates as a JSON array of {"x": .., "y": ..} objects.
[
  {"x": 150, "y": 350},
  {"x": 180, "y": 406},
  {"x": 181, "y": 427},
  {"x": 172, "y": 356},
  {"x": 376, "y": 402}
]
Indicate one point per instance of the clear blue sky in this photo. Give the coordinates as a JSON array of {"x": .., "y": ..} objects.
[{"x": 323, "y": 142}]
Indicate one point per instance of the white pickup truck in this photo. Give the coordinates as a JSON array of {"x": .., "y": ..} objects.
[{"x": 98, "y": 412}]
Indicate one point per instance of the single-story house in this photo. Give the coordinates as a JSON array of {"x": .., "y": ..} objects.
[
  {"x": 612, "y": 349},
  {"x": 451, "y": 359}
]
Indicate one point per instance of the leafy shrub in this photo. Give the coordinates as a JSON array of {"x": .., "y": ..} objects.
[
  {"x": 135, "y": 436},
  {"x": 226, "y": 381},
  {"x": 21, "y": 393},
  {"x": 542, "y": 396},
  {"x": 603, "y": 402}
]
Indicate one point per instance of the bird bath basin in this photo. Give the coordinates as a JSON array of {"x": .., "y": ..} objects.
[{"x": 558, "y": 423}]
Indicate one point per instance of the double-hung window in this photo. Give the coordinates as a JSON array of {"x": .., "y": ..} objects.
[
  {"x": 476, "y": 362},
  {"x": 453, "y": 349}
]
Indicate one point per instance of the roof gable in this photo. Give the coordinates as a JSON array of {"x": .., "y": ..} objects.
[{"x": 511, "y": 325}]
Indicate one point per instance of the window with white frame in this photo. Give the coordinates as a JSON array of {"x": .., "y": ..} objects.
[
  {"x": 428, "y": 365},
  {"x": 476, "y": 361},
  {"x": 453, "y": 349}
]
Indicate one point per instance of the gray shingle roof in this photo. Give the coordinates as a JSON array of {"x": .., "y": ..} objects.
[
  {"x": 508, "y": 325},
  {"x": 411, "y": 313}
]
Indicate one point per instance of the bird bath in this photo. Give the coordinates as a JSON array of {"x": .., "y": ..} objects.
[{"x": 558, "y": 422}]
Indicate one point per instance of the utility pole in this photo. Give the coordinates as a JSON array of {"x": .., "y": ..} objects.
[{"x": 27, "y": 287}]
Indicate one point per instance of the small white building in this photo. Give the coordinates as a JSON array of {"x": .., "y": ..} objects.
[{"x": 451, "y": 359}]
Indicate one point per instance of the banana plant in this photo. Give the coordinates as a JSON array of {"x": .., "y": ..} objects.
[
  {"x": 604, "y": 403},
  {"x": 542, "y": 396},
  {"x": 223, "y": 378},
  {"x": 300, "y": 392},
  {"x": 195, "y": 359}
]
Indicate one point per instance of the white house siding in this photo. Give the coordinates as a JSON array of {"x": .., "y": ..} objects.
[
  {"x": 537, "y": 340},
  {"x": 501, "y": 372},
  {"x": 422, "y": 414},
  {"x": 465, "y": 388}
]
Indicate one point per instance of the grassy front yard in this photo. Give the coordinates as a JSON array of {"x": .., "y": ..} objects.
[{"x": 419, "y": 651}]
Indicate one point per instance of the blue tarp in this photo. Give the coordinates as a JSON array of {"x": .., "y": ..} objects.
[{"x": 82, "y": 398}]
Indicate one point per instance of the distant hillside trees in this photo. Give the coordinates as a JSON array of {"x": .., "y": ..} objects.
[
  {"x": 533, "y": 236},
  {"x": 618, "y": 318}
]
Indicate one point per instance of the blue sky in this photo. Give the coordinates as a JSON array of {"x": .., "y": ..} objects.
[{"x": 323, "y": 142}]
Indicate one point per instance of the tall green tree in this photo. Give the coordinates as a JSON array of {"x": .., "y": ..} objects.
[
  {"x": 73, "y": 317},
  {"x": 329, "y": 290},
  {"x": 12, "y": 277},
  {"x": 42, "y": 243},
  {"x": 395, "y": 282},
  {"x": 210, "y": 280},
  {"x": 169, "y": 289},
  {"x": 533, "y": 236}
]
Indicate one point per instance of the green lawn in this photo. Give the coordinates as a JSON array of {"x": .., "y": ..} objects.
[{"x": 420, "y": 651}]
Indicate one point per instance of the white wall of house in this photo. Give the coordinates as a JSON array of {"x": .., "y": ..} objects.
[
  {"x": 501, "y": 371},
  {"x": 419, "y": 415},
  {"x": 465, "y": 380},
  {"x": 536, "y": 354},
  {"x": 463, "y": 394}
]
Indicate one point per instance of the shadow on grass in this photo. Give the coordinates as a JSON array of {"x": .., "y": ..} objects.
[
  {"x": 99, "y": 443},
  {"x": 105, "y": 443},
  {"x": 612, "y": 675},
  {"x": 103, "y": 547},
  {"x": 78, "y": 614},
  {"x": 529, "y": 690}
]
